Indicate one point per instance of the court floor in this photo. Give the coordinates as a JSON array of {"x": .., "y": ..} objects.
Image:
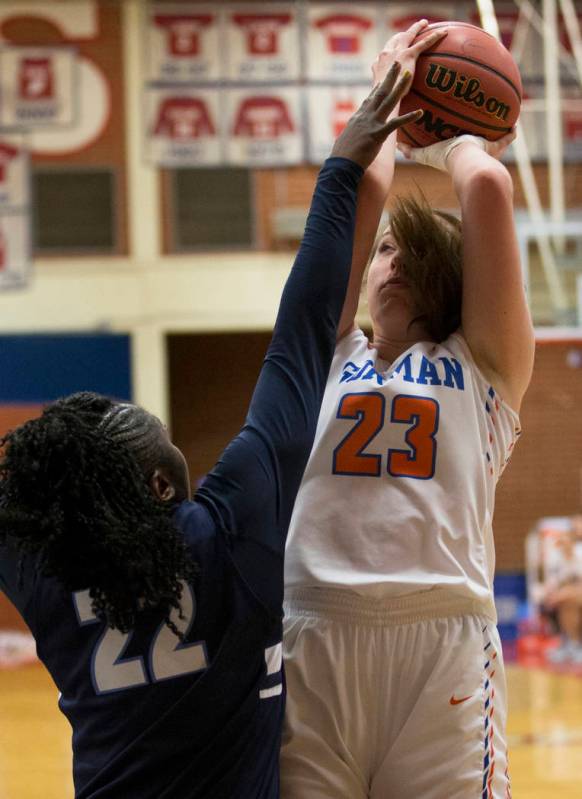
[{"x": 545, "y": 732}]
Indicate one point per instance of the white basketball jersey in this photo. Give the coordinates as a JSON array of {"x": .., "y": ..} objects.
[{"x": 398, "y": 493}]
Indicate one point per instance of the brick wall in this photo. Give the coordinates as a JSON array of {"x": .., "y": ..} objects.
[
  {"x": 279, "y": 188},
  {"x": 544, "y": 477}
]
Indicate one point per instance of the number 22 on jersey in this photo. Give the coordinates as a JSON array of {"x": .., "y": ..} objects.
[
  {"x": 168, "y": 656},
  {"x": 419, "y": 415}
]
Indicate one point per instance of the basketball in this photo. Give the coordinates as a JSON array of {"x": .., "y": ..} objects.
[{"x": 468, "y": 83}]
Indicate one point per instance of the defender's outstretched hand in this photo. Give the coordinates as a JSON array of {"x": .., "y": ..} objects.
[
  {"x": 437, "y": 155},
  {"x": 366, "y": 131}
]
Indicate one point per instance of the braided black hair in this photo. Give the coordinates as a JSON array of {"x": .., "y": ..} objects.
[{"x": 74, "y": 492}]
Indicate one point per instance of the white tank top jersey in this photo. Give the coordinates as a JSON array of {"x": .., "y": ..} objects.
[{"x": 435, "y": 433}]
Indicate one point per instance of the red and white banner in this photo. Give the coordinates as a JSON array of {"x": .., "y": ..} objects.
[
  {"x": 15, "y": 213},
  {"x": 15, "y": 258},
  {"x": 264, "y": 127},
  {"x": 342, "y": 41},
  {"x": 262, "y": 42},
  {"x": 183, "y": 126},
  {"x": 14, "y": 175},
  {"x": 184, "y": 42},
  {"x": 38, "y": 87},
  {"x": 329, "y": 108}
]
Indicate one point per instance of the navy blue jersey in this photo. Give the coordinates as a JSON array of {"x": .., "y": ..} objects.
[{"x": 154, "y": 717}]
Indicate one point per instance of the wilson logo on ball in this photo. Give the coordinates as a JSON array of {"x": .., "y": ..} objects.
[{"x": 448, "y": 81}]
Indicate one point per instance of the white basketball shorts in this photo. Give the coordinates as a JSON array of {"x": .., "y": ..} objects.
[{"x": 400, "y": 703}]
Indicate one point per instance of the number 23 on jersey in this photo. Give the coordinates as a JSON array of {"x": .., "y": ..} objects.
[{"x": 420, "y": 419}]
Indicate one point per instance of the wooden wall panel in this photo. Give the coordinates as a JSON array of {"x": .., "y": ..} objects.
[{"x": 211, "y": 383}]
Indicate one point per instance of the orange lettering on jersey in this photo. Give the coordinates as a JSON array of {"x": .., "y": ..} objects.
[
  {"x": 349, "y": 457},
  {"x": 422, "y": 413}
]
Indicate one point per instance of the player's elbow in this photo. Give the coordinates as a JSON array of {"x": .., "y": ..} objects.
[{"x": 491, "y": 182}]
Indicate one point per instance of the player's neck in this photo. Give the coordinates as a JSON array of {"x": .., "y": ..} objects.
[{"x": 390, "y": 344}]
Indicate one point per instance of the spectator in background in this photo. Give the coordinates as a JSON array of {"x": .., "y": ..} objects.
[{"x": 564, "y": 599}]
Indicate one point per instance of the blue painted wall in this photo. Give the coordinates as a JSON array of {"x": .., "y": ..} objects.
[{"x": 41, "y": 368}]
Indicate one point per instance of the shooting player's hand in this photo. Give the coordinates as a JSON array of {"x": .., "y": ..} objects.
[
  {"x": 405, "y": 48},
  {"x": 437, "y": 155}
]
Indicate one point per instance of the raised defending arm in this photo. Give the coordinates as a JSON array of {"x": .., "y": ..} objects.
[{"x": 253, "y": 486}]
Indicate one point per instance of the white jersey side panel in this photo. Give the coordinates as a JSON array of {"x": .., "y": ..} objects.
[{"x": 398, "y": 493}]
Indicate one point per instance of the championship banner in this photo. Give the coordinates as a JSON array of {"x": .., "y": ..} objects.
[
  {"x": 184, "y": 43},
  {"x": 38, "y": 87},
  {"x": 264, "y": 127},
  {"x": 342, "y": 41},
  {"x": 183, "y": 126},
  {"x": 15, "y": 258},
  {"x": 329, "y": 109},
  {"x": 15, "y": 217},
  {"x": 14, "y": 175},
  {"x": 262, "y": 42}
]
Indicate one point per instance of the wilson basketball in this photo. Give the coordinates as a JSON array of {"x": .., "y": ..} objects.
[{"x": 467, "y": 83}]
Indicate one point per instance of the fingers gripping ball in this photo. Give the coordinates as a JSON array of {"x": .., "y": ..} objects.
[{"x": 467, "y": 83}]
